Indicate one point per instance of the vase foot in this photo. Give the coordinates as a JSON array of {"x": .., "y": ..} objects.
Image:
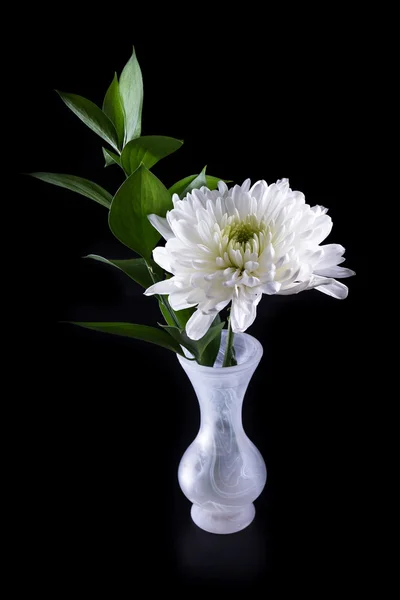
[{"x": 223, "y": 521}]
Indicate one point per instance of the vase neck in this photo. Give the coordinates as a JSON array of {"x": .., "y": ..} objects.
[
  {"x": 220, "y": 390},
  {"x": 226, "y": 388}
]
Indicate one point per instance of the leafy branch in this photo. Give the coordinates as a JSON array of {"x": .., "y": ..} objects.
[{"x": 118, "y": 123}]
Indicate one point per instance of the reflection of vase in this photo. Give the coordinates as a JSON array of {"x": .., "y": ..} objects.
[{"x": 222, "y": 472}]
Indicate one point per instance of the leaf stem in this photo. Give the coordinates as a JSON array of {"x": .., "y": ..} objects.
[
  {"x": 162, "y": 299},
  {"x": 228, "y": 356}
]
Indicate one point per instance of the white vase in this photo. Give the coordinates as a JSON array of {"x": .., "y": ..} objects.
[{"x": 222, "y": 472}]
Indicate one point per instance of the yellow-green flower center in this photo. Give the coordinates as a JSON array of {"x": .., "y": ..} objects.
[
  {"x": 243, "y": 232},
  {"x": 242, "y": 241}
]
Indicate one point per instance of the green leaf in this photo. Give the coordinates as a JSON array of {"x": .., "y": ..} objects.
[
  {"x": 111, "y": 158},
  {"x": 112, "y": 107},
  {"x": 138, "y": 332},
  {"x": 197, "y": 348},
  {"x": 181, "y": 185},
  {"x": 197, "y": 182},
  {"x": 92, "y": 116},
  {"x": 140, "y": 195},
  {"x": 209, "y": 355},
  {"x": 77, "y": 184},
  {"x": 212, "y": 182},
  {"x": 131, "y": 92},
  {"x": 189, "y": 183},
  {"x": 148, "y": 150},
  {"x": 183, "y": 316},
  {"x": 135, "y": 268}
]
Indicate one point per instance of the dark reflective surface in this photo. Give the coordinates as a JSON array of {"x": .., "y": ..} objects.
[{"x": 235, "y": 558}]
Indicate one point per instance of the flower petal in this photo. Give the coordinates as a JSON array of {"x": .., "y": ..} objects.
[
  {"x": 199, "y": 324},
  {"x": 270, "y": 288},
  {"x": 243, "y": 314},
  {"x": 246, "y": 185},
  {"x": 196, "y": 295},
  {"x": 161, "y": 225},
  {"x": 323, "y": 229},
  {"x": 334, "y": 272},
  {"x": 332, "y": 255},
  {"x": 162, "y": 258},
  {"x": 222, "y": 187},
  {"x": 294, "y": 288},
  {"x": 334, "y": 288},
  {"x": 186, "y": 233},
  {"x": 179, "y": 300},
  {"x": 162, "y": 287}
]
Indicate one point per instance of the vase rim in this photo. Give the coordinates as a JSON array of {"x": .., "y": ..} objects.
[{"x": 253, "y": 360}]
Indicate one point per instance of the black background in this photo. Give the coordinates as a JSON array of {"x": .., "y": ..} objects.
[{"x": 102, "y": 438}]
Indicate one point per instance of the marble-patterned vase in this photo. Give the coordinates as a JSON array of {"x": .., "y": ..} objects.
[{"x": 222, "y": 472}]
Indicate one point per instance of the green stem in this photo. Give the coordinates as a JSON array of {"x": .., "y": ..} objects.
[
  {"x": 228, "y": 356},
  {"x": 162, "y": 298}
]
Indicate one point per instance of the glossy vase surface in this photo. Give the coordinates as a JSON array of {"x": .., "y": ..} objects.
[{"x": 222, "y": 472}]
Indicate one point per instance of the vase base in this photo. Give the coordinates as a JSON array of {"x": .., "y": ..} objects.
[{"x": 223, "y": 521}]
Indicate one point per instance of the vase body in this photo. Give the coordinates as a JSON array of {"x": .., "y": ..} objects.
[{"x": 222, "y": 472}]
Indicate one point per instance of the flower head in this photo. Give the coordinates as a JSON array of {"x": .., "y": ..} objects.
[{"x": 233, "y": 245}]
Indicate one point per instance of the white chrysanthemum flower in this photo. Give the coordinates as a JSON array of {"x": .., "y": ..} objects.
[{"x": 237, "y": 244}]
